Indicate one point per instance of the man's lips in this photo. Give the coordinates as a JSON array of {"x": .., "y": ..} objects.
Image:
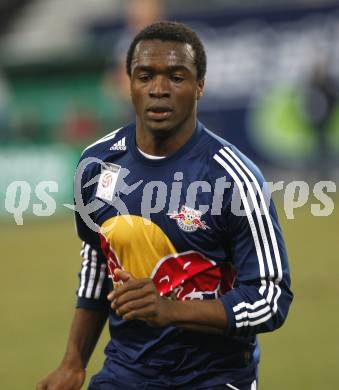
[{"x": 159, "y": 112}]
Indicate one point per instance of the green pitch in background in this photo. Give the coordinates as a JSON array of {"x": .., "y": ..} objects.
[{"x": 39, "y": 265}]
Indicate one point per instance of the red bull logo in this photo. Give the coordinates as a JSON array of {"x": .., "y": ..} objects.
[
  {"x": 189, "y": 219},
  {"x": 190, "y": 275},
  {"x": 182, "y": 276},
  {"x": 187, "y": 275}
]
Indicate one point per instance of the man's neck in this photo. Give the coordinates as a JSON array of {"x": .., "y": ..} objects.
[{"x": 160, "y": 145}]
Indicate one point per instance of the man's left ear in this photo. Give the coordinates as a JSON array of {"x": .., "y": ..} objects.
[{"x": 200, "y": 89}]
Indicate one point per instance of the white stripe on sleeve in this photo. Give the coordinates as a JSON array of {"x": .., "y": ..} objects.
[
  {"x": 267, "y": 215},
  {"x": 84, "y": 270},
  {"x": 93, "y": 267},
  {"x": 100, "y": 281},
  {"x": 230, "y": 156}
]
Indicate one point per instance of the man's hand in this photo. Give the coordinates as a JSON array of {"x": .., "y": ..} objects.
[
  {"x": 85, "y": 331},
  {"x": 63, "y": 379},
  {"x": 138, "y": 299}
]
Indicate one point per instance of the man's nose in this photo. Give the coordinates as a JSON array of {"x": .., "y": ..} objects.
[{"x": 159, "y": 87}]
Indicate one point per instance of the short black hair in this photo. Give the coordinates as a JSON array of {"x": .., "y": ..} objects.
[{"x": 171, "y": 31}]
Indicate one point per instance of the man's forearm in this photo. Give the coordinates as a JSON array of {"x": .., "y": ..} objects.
[
  {"x": 85, "y": 331},
  {"x": 207, "y": 316}
]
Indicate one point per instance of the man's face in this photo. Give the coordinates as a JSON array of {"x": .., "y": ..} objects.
[{"x": 164, "y": 86}]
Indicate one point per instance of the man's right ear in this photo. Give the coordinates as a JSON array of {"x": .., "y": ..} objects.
[{"x": 200, "y": 89}]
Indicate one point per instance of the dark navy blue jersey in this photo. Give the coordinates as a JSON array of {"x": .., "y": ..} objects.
[{"x": 201, "y": 225}]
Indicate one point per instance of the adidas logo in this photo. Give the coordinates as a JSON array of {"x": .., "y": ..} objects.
[{"x": 120, "y": 145}]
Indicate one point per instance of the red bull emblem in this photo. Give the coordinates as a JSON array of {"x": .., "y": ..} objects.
[
  {"x": 190, "y": 275},
  {"x": 189, "y": 220},
  {"x": 183, "y": 276}
]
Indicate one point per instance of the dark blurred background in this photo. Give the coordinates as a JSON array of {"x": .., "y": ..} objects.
[
  {"x": 271, "y": 89},
  {"x": 271, "y": 84}
]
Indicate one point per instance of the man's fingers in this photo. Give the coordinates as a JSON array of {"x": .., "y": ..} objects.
[
  {"x": 41, "y": 386},
  {"x": 145, "y": 313},
  {"x": 131, "y": 284},
  {"x": 140, "y": 304},
  {"x": 130, "y": 295},
  {"x": 122, "y": 275}
]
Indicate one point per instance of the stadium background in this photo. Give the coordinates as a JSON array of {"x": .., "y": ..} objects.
[{"x": 61, "y": 85}]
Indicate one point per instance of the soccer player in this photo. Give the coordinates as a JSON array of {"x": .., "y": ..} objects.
[{"x": 179, "y": 221}]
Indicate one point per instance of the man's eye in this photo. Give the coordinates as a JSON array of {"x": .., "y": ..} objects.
[
  {"x": 144, "y": 77},
  {"x": 177, "y": 79}
]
